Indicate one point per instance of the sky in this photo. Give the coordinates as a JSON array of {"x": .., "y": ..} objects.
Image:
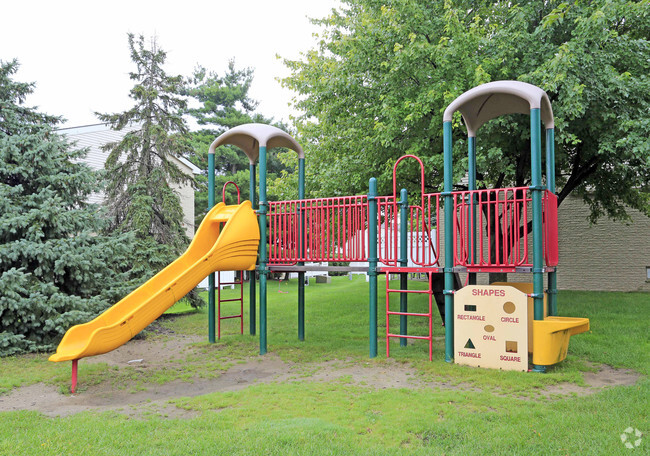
[{"x": 77, "y": 51}]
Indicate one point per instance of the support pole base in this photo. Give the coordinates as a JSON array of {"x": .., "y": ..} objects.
[{"x": 73, "y": 385}]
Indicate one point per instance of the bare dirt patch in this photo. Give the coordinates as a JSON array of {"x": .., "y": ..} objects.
[
  {"x": 48, "y": 400},
  {"x": 153, "y": 399},
  {"x": 151, "y": 351},
  {"x": 606, "y": 376}
]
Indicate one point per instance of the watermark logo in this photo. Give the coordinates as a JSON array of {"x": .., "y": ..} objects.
[{"x": 631, "y": 437}]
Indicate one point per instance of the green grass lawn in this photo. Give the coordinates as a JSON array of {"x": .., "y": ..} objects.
[{"x": 489, "y": 412}]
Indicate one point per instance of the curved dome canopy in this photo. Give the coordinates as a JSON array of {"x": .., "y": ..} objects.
[
  {"x": 494, "y": 99},
  {"x": 249, "y": 138}
]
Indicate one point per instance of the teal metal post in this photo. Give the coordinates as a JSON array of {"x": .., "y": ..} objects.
[
  {"x": 449, "y": 244},
  {"x": 301, "y": 274},
  {"x": 471, "y": 185},
  {"x": 211, "y": 277},
  {"x": 550, "y": 186},
  {"x": 372, "y": 264},
  {"x": 263, "y": 249},
  {"x": 251, "y": 281},
  {"x": 537, "y": 189},
  {"x": 403, "y": 279}
]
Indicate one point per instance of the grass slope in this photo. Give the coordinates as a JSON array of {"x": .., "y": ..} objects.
[{"x": 491, "y": 412}]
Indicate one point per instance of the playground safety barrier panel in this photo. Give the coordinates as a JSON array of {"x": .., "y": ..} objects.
[
  {"x": 335, "y": 230},
  {"x": 491, "y": 230},
  {"x": 330, "y": 229}
]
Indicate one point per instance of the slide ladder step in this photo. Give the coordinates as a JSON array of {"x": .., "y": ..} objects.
[
  {"x": 240, "y": 299},
  {"x": 389, "y": 312}
]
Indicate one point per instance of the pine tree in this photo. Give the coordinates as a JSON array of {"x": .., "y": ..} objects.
[
  {"x": 224, "y": 103},
  {"x": 141, "y": 171},
  {"x": 55, "y": 271},
  {"x": 140, "y": 195}
]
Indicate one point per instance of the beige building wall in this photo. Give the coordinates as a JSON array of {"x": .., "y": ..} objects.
[
  {"x": 606, "y": 256},
  {"x": 93, "y": 137}
]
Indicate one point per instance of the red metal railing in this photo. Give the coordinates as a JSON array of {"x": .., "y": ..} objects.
[
  {"x": 551, "y": 247},
  {"x": 424, "y": 244},
  {"x": 335, "y": 229},
  {"x": 491, "y": 228},
  {"x": 285, "y": 230},
  {"x": 422, "y": 218},
  {"x": 388, "y": 230},
  {"x": 324, "y": 229},
  {"x": 423, "y": 235}
]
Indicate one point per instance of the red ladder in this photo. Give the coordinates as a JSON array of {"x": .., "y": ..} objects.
[
  {"x": 429, "y": 315},
  {"x": 239, "y": 282}
]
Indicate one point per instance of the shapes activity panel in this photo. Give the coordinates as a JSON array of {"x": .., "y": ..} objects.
[{"x": 491, "y": 325}]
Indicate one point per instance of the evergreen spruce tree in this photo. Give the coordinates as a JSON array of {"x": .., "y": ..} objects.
[
  {"x": 224, "y": 103},
  {"x": 141, "y": 172},
  {"x": 55, "y": 270}
]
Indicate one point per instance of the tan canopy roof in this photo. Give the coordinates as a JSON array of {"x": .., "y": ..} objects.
[
  {"x": 249, "y": 138},
  {"x": 497, "y": 98}
]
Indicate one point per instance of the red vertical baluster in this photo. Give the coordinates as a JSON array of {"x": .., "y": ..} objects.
[{"x": 483, "y": 222}]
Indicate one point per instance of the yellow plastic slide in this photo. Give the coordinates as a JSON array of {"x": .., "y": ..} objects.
[{"x": 231, "y": 248}]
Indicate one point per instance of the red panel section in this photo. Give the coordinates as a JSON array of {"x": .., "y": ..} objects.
[
  {"x": 551, "y": 247},
  {"x": 491, "y": 228},
  {"x": 322, "y": 229}
]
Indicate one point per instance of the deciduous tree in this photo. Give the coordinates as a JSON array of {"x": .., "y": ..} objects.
[{"x": 382, "y": 74}]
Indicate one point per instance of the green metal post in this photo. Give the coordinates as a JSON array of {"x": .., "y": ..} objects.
[
  {"x": 263, "y": 249},
  {"x": 301, "y": 275},
  {"x": 471, "y": 185},
  {"x": 550, "y": 185},
  {"x": 251, "y": 281},
  {"x": 449, "y": 244},
  {"x": 372, "y": 264},
  {"x": 537, "y": 189},
  {"x": 403, "y": 279},
  {"x": 211, "y": 277}
]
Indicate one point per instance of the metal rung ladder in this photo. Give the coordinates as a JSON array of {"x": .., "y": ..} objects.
[
  {"x": 239, "y": 282},
  {"x": 389, "y": 312}
]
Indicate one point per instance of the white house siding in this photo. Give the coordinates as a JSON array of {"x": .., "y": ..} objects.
[
  {"x": 94, "y": 137},
  {"x": 186, "y": 194}
]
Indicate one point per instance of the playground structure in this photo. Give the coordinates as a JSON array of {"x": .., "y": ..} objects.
[{"x": 483, "y": 231}]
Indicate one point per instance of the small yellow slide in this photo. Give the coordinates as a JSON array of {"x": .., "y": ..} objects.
[{"x": 232, "y": 247}]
